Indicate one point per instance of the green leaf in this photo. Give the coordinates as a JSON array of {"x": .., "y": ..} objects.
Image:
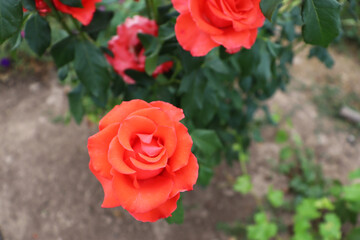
[
  {"x": 281, "y": 136},
  {"x": 38, "y": 34},
  {"x": 92, "y": 69},
  {"x": 331, "y": 228},
  {"x": 352, "y": 192},
  {"x": 72, "y": 3},
  {"x": 75, "y": 103},
  {"x": 243, "y": 184},
  {"x": 206, "y": 140},
  {"x": 323, "y": 55},
  {"x": 268, "y": 7},
  {"x": 354, "y": 174},
  {"x": 205, "y": 175},
  {"x": 275, "y": 197},
  {"x": 321, "y": 21},
  {"x": 354, "y": 234},
  {"x": 11, "y": 15},
  {"x": 324, "y": 203},
  {"x": 29, "y": 5},
  {"x": 63, "y": 51},
  {"x": 307, "y": 209},
  {"x": 262, "y": 229},
  {"x": 99, "y": 22},
  {"x": 286, "y": 153},
  {"x": 178, "y": 215}
]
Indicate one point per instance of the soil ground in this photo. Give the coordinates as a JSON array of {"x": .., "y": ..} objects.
[{"x": 47, "y": 191}]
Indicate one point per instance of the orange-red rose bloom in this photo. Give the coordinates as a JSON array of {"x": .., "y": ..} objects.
[
  {"x": 83, "y": 15},
  {"x": 142, "y": 157},
  {"x": 205, "y": 24},
  {"x": 128, "y": 50}
]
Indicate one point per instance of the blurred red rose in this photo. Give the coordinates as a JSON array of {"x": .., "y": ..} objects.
[
  {"x": 142, "y": 157},
  {"x": 42, "y": 8},
  {"x": 83, "y": 15},
  {"x": 205, "y": 24},
  {"x": 128, "y": 50}
]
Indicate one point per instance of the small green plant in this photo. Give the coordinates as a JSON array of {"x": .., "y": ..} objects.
[{"x": 319, "y": 206}]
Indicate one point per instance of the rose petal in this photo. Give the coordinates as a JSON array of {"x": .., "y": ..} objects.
[
  {"x": 120, "y": 112},
  {"x": 180, "y": 5},
  {"x": 116, "y": 158},
  {"x": 184, "y": 143},
  {"x": 159, "y": 117},
  {"x": 232, "y": 39},
  {"x": 150, "y": 166},
  {"x": 175, "y": 114},
  {"x": 197, "y": 9},
  {"x": 185, "y": 178},
  {"x": 163, "y": 211},
  {"x": 98, "y": 146},
  {"x": 191, "y": 38},
  {"x": 134, "y": 125},
  {"x": 168, "y": 136},
  {"x": 150, "y": 194},
  {"x": 110, "y": 199},
  {"x": 83, "y": 15}
]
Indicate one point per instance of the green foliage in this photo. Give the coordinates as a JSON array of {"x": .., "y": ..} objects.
[
  {"x": 268, "y": 7},
  {"x": 262, "y": 229},
  {"x": 330, "y": 229},
  {"x": 91, "y": 68},
  {"x": 243, "y": 184},
  {"x": 38, "y": 34},
  {"x": 321, "y": 21},
  {"x": 10, "y": 18},
  {"x": 72, "y": 3},
  {"x": 178, "y": 215},
  {"x": 275, "y": 197}
]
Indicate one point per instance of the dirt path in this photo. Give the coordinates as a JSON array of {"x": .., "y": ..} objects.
[{"x": 47, "y": 191}]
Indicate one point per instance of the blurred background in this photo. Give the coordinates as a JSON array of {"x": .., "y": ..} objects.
[{"x": 47, "y": 191}]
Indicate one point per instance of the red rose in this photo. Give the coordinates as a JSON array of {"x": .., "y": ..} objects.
[
  {"x": 142, "y": 157},
  {"x": 205, "y": 24},
  {"x": 42, "y": 8},
  {"x": 83, "y": 15},
  {"x": 128, "y": 50}
]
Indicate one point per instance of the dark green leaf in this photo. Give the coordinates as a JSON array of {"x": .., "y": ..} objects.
[
  {"x": 99, "y": 22},
  {"x": 206, "y": 140},
  {"x": 38, "y": 34},
  {"x": 29, "y": 5},
  {"x": 75, "y": 103},
  {"x": 63, "y": 51},
  {"x": 178, "y": 215},
  {"x": 92, "y": 69},
  {"x": 354, "y": 234},
  {"x": 205, "y": 175},
  {"x": 63, "y": 72},
  {"x": 323, "y": 55},
  {"x": 72, "y": 3},
  {"x": 11, "y": 15},
  {"x": 321, "y": 21},
  {"x": 268, "y": 7}
]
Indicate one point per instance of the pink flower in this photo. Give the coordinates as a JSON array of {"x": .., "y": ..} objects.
[{"x": 128, "y": 50}]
